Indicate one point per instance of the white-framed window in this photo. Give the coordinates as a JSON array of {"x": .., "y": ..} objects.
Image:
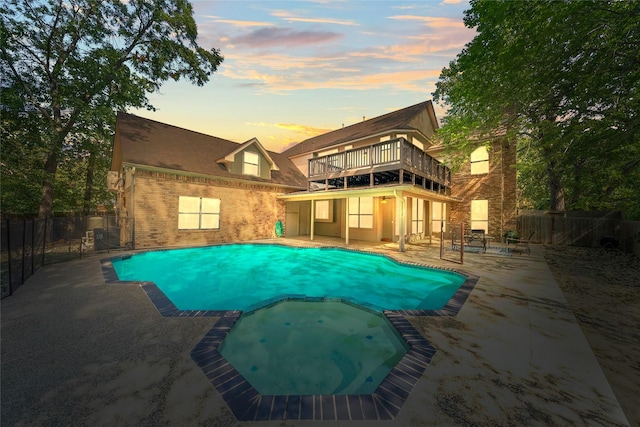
[
  {"x": 479, "y": 161},
  {"x": 417, "y": 216},
  {"x": 439, "y": 213},
  {"x": 251, "y": 163},
  {"x": 324, "y": 211},
  {"x": 361, "y": 212},
  {"x": 198, "y": 213},
  {"x": 480, "y": 215}
]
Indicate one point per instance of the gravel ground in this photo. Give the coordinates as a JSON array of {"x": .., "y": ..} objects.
[{"x": 602, "y": 288}]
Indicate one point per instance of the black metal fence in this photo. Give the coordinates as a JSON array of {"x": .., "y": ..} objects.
[{"x": 29, "y": 244}]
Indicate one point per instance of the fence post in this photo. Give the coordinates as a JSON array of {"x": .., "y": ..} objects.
[
  {"x": 33, "y": 242},
  {"x": 108, "y": 242},
  {"x": 44, "y": 239},
  {"x": 24, "y": 238},
  {"x": 83, "y": 232},
  {"x": 9, "y": 256},
  {"x": 462, "y": 243}
]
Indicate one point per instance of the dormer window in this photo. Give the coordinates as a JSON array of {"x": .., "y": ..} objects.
[{"x": 251, "y": 164}]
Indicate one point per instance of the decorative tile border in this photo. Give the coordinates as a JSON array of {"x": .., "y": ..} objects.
[{"x": 249, "y": 405}]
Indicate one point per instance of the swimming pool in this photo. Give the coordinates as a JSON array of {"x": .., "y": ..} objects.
[{"x": 247, "y": 276}]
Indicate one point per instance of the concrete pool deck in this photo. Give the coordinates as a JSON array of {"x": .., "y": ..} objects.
[{"x": 78, "y": 351}]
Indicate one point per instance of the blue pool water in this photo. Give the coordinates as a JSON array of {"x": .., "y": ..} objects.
[{"x": 244, "y": 276}]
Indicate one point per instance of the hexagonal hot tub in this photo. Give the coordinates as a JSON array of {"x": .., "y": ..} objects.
[{"x": 302, "y": 347}]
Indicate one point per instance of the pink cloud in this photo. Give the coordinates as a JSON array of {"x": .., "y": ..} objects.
[
  {"x": 431, "y": 21},
  {"x": 273, "y": 37},
  {"x": 239, "y": 23},
  {"x": 287, "y": 16}
]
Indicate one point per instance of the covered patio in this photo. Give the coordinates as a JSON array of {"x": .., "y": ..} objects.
[{"x": 389, "y": 213}]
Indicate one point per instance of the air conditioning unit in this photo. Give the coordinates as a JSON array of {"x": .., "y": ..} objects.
[{"x": 114, "y": 182}]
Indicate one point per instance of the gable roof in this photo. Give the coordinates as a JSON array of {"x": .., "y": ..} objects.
[
  {"x": 229, "y": 158},
  {"x": 402, "y": 119},
  {"x": 144, "y": 142}
]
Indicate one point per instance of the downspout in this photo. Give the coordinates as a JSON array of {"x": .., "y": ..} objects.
[
  {"x": 403, "y": 221},
  {"x": 501, "y": 190},
  {"x": 132, "y": 216}
]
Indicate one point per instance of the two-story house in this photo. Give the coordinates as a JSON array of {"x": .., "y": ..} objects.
[{"x": 377, "y": 180}]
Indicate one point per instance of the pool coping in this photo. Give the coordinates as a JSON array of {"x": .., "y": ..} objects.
[{"x": 247, "y": 404}]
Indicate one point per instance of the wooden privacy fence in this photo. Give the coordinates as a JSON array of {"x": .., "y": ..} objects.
[{"x": 584, "y": 231}]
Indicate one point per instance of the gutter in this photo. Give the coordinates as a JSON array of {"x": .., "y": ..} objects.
[{"x": 133, "y": 222}]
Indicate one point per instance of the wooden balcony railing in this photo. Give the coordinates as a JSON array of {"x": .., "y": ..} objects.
[{"x": 388, "y": 155}]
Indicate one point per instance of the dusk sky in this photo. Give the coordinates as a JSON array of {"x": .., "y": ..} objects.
[{"x": 295, "y": 69}]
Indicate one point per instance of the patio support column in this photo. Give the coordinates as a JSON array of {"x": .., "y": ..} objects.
[
  {"x": 312, "y": 224},
  {"x": 403, "y": 221},
  {"x": 346, "y": 222}
]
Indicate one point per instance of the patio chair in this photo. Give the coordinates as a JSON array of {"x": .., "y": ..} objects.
[
  {"x": 520, "y": 245},
  {"x": 477, "y": 239}
]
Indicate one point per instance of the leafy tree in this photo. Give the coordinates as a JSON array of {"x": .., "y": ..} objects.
[
  {"x": 561, "y": 79},
  {"x": 76, "y": 61}
]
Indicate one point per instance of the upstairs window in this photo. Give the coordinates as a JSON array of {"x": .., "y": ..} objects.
[
  {"x": 251, "y": 164},
  {"x": 198, "y": 213},
  {"x": 479, "y": 161}
]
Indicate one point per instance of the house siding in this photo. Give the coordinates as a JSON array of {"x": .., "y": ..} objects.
[
  {"x": 498, "y": 187},
  {"x": 248, "y": 211}
]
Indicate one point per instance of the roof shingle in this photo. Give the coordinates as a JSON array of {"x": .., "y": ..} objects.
[
  {"x": 146, "y": 142},
  {"x": 396, "y": 120}
]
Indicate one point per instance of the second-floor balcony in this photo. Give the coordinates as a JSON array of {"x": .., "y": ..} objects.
[{"x": 388, "y": 161}]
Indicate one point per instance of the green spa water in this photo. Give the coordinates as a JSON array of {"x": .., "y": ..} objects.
[{"x": 298, "y": 347}]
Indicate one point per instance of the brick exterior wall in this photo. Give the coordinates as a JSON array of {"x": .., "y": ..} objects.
[
  {"x": 248, "y": 211},
  {"x": 498, "y": 187}
]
